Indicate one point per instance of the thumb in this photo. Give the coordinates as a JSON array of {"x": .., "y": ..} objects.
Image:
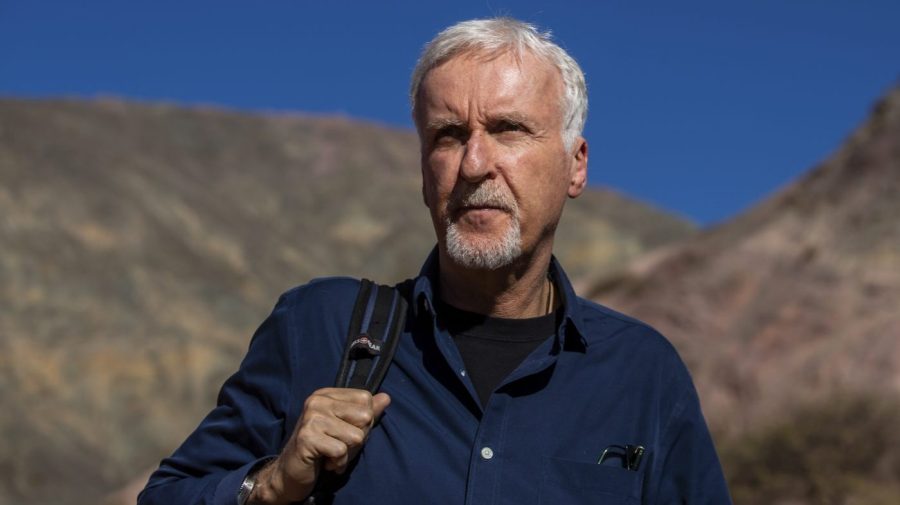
[{"x": 379, "y": 403}]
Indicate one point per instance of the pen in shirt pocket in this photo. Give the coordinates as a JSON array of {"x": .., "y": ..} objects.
[{"x": 630, "y": 455}]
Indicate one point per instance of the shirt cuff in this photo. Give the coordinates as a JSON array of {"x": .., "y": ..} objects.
[{"x": 227, "y": 490}]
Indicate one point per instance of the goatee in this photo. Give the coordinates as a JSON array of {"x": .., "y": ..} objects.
[{"x": 479, "y": 252}]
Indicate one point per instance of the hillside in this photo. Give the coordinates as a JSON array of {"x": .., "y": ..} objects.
[
  {"x": 793, "y": 307},
  {"x": 142, "y": 244}
]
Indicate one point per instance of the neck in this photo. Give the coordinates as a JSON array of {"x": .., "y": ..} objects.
[{"x": 518, "y": 291}]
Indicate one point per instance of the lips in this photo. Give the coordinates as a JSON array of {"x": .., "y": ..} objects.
[
  {"x": 474, "y": 203},
  {"x": 485, "y": 207},
  {"x": 479, "y": 208}
]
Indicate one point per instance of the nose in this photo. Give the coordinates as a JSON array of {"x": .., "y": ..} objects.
[{"x": 477, "y": 163}]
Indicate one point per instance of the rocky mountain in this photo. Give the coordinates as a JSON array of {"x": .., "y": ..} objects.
[
  {"x": 140, "y": 245},
  {"x": 793, "y": 306}
]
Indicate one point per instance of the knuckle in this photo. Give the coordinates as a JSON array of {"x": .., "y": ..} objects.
[
  {"x": 313, "y": 423},
  {"x": 313, "y": 402},
  {"x": 366, "y": 416},
  {"x": 339, "y": 450},
  {"x": 299, "y": 443},
  {"x": 310, "y": 418},
  {"x": 360, "y": 396},
  {"x": 356, "y": 437}
]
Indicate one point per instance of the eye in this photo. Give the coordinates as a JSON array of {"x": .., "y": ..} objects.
[
  {"x": 509, "y": 126},
  {"x": 450, "y": 133}
]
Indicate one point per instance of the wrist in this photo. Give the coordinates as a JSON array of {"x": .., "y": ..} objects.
[
  {"x": 254, "y": 482},
  {"x": 269, "y": 487}
]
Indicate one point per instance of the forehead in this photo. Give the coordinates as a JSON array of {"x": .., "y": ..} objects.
[{"x": 479, "y": 82}]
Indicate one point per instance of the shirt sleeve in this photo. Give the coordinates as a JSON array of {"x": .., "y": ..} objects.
[
  {"x": 690, "y": 471},
  {"x": 246, "y": 427}
]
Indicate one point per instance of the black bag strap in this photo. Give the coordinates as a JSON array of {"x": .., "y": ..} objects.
[{"x": 375, "y": 326}]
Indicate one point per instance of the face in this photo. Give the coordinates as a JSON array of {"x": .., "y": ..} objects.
[{"x": 495, "y": 171}]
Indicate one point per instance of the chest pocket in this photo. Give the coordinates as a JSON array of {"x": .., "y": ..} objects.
[{"x": 565, "y": 482}]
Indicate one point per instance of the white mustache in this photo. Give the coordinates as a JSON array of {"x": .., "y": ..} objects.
[{"x": 483, "y": 195}]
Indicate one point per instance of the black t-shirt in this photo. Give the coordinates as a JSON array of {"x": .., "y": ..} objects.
[{"x": 492, "y": 347}]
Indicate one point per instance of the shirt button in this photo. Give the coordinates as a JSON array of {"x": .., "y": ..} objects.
[
  {"x": 462, "y": 372},
  {"x": 487, "y": 453}
]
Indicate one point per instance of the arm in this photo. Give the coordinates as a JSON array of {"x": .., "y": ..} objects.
[
  {"x": 246, "y": 426},
  {"x": 331, "y": 431},
  {"x": 251, "y": 422}
]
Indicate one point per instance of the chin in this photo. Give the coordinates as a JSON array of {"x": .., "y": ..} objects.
[{"x": 483, "y": 253}]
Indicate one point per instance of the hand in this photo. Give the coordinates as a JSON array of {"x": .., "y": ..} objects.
[{"x": 331, "y": 431}]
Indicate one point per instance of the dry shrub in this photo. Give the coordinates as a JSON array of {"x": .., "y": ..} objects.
[{"x": 844, "y": 451}]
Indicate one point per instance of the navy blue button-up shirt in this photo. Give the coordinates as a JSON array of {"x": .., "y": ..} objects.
[{"x": 603, "y": 380}]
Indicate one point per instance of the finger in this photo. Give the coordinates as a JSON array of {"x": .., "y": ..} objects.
[
  {"x": 355, "y": 407},
  {"x": 363, "y": 417},
  {"x": 352, "y": 439},
  {"x": 348, "y": 434},
  {"x": 313, "y": 445},
  {"x": 316, "y": 424},
  {"x": 360, "y": 416},
  {"x": 351, "y": 395},
  {"x": 337, "y": 465},
  {"x": 379, "y": 403}
]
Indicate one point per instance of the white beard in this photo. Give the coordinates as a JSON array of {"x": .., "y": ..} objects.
[{"x": 485, "y": 253}]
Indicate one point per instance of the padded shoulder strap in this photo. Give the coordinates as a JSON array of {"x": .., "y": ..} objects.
[{"x": 375, "y": 326}]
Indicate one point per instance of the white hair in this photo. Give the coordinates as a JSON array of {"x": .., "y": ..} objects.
[{"x": 499, "y": 35}]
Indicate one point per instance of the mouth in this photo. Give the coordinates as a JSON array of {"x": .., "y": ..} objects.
[{"x": 482, "y": 208}]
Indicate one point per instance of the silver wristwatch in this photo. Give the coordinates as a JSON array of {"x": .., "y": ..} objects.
[
  {"x": 247, "y": 486},
  {"x": 243, "y": 495}
]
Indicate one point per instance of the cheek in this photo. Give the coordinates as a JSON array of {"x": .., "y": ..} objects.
[
  {"x": 436, "y": 185},
  {"x": 439, "y": 178},
  {"x": 541, "y": 188}
]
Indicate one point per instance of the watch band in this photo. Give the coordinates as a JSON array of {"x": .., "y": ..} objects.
[
  {"x": 249, "y": 482},
  {"x": 247, "y": 486}
]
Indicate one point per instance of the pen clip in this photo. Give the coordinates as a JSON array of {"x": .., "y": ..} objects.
[
  {"x": 633, "y": 456},
  {"x": 630, "y": 455}
]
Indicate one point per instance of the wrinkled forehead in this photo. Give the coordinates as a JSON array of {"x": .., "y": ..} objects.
[{"x": 475, "y": 70}]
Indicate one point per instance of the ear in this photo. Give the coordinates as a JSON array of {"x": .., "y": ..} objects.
[{"x": 578, "y": 168}]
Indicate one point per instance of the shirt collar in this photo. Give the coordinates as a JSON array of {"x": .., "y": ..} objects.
[{"x": 573, "y": 322}]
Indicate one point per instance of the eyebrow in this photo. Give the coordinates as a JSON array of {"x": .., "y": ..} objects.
[
  {"x": 440, "y": 123},
  {"x": 512, "y": 117}
]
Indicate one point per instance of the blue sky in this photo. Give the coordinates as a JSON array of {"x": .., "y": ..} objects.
[{"x": 700, "y": 107}]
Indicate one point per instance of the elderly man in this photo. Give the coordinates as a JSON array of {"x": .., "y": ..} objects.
[{"x": 505, "y": 387}]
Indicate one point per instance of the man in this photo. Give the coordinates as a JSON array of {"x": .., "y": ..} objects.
[{"x": 506, "y": 387}]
